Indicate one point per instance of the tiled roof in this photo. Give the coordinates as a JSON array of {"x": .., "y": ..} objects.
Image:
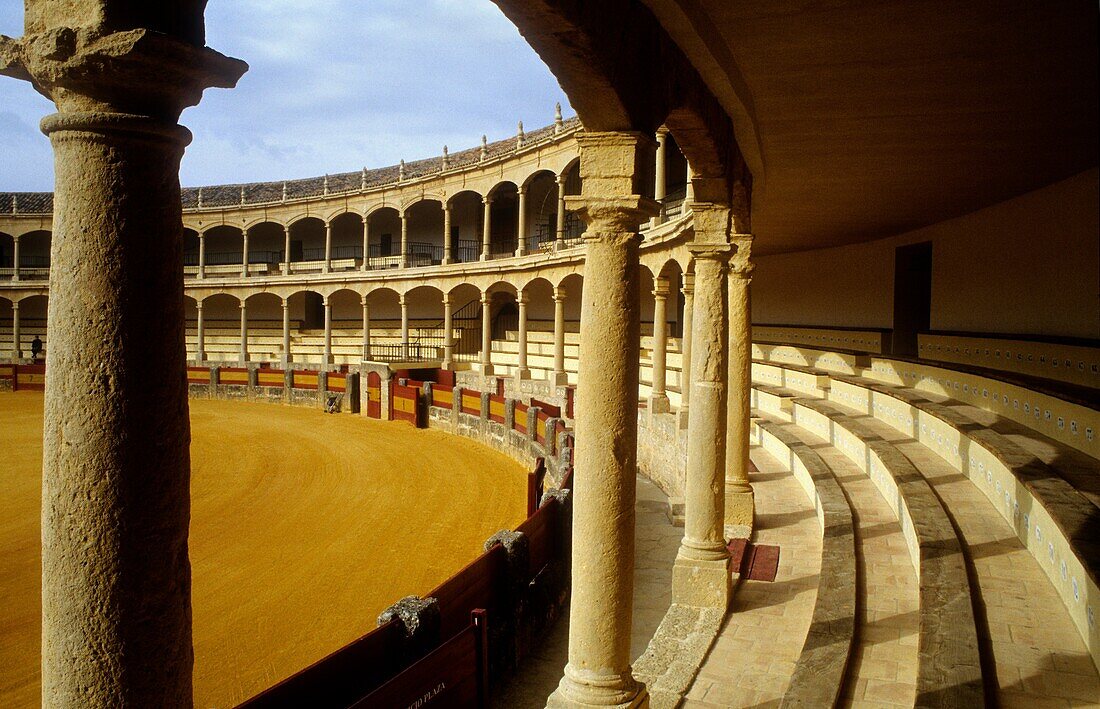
[{"x": 261, "y": 192}]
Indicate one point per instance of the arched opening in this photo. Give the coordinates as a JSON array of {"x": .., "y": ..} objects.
[
  {"x": 426, "y": 334},
  {"x": 34, "y": 255},
  {"x": 384, "y": 242},
  {"x": 307, "y": 245},
  {"x": 542, "y": 210},
  {"x": 190, "y": 252},
  {"x": 222, "y": 327},
  {"x": 466, "y": 322},
  {"x": 224, "y": 248},
  {"x": 571, "y": 225},
  {"x": 32, "y": 327},
  {"x": 425, "y": 225},
  {"x": 266, "y": 244},
  {"x": 347, "y": 241},
  {"x": 265, "y": 327},
  {"x": 503, "y": 216},
  {"x": 466, "y": 216}
]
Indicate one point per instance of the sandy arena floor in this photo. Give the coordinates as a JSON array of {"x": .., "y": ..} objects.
[{"x": 304, "y": 527}]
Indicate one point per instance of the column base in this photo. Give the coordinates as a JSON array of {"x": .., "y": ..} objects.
[
  {"x": 682, "y": 419},
  {"x": 445, "y": 365},
  {"x": 521, "y": 252},
  {"x": 486, "y": 370},
  {"x": 701, "y": 583},
  {"x": 599, "y": 692},
  {"x": 448, "y": 261},
  {"x": 658, "y": 404},
  {"x": 559, "y": 379},
  {"x": 484, "y": 257},
  {"x": 524, "y": 373},
  {"x": 740, "y": 504},
  {"x": 558, "y": 245}
]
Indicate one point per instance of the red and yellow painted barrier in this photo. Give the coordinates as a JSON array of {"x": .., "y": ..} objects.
[
  {"x": 540, "y": 427},
  {"x": 548, "y": 409},
  {"x": 404, "y": 404},
  {"x": 519, "y": 423},
  {"x": 235, "y": 376},
  {"x": 443, "y": 396},
  {"x": 270, "y": 377},
  {"x": 198, "y": 375},
  {"x": 374, "y": 395},
  {"x": 471, "y": 402},
  {"x": 7, "y": 373},
  {"x": 496, "y": 408},
  {"x": 305, "y": 379},
  {"x": 337, "y": 381},
  {"x": 29, "y": 377}
]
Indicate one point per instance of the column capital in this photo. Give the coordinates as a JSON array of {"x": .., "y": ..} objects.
[
  {"x": 15, "y": 305},
  {"x": 401, "y": 300},
  {"x": 243, "y": 305},
  {"x": 688, "y": 287},
  {"x": 93, "y": 69},
  {"x": 363, "y": 300},
  {"x": 558, "y": 294},
  {"x": 521, "y": 189},
  {"x": 446, "y": 299},
  {"x": 286, "y": 303},
  {"x": 521, "y": 297},
  {"x": 198, "y": 305},
  {"x": 741, "y": 265},
  {"x": 660, "y": 288},
  {"x": 486, "y": 298}
]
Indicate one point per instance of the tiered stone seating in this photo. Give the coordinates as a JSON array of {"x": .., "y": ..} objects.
[
  {"x": 28, "y": 328},
  {"x": 914, "y": 443}
]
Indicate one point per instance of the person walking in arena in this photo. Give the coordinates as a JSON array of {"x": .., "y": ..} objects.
[{"x": 36, "y": 347}]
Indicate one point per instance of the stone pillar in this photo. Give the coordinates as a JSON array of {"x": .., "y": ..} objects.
[
  {"x": 689, "y": 188},
  {"x": 559, "y": 229},
  {"x": 17, "y": 340},
  {"x": 200, "y": 334},
  {"x": 366, "y": 244},
  {"x": 660, "y": 184},
  {"x": 486, "y": 226},
  {"x": 658, "y": 398},
  {"x": 404, "y": 239},
  {"x": 739, "y": 496},
  {"x": 287, "y": 356},
  {"x": 559, "y": 378},
  {"x": 244, "y": 333},
  {"x": 404, "y": 325},
  {"x": 448, "y": 247},
  {"x": 521, "y": 223},
  {"x": 328, "y": 331},
  {"x": 286, "y": 249},
  {"x": 688, "y": 290},
  {"x": 366, "y": 328},
  {"x": 613, "y": 167},
  {"x": 202, "y": 255},
  {"x": 700, "y": 574},
  {"x": 116, "y": 582},
  {"x": 244, "y": 253},
  {"x": 486, "y": 333},
  {"x": 522, "y": 372},
  {"x": 448, "y": 332},
  {"x": 327, "y": 268},
  {"x": 15, "y": 258}
]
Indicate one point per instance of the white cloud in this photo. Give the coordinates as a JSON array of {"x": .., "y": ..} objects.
[{"x": 333, "y": 87}]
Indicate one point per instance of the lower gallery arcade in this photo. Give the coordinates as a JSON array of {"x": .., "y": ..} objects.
[{"x": 613, "y": 257}]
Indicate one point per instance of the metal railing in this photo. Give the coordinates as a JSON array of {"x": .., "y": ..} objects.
[{"x": 405, "y": 352}]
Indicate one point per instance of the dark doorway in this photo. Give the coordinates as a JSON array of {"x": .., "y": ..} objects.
[{"x": 912, "y": 296}]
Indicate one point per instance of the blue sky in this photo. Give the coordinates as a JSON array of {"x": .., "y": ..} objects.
[{"x": 332, "y": 87}]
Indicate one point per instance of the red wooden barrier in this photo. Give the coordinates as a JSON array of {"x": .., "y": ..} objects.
[
  {"x": 405, "y": 404},
  {"x": 478, "y": 585},
  {"x": 442, "y": 396},
  {"x": 235, "y": 376},
  {"x": 29, "y": 377},
  {"x": 540, "y": 529},
  {"x": 343, "y": 677},
  {"x": 198, "y": 375},
  {"x": 272, "y": 378},
  {"x": 456, "y": 674},
  {"x": 540, "y": 427},
  {"x": 471, "y": 402},
  {"x": 374, "y": 394},
  {"x": 337, "y": 382},
  {"x": 570, "y": 396},
  {"x": 548, "y": 409},
  {"x": 445, "y": 377}
]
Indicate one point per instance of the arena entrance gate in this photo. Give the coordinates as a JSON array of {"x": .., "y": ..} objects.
[{"x": 374, "y": 395}]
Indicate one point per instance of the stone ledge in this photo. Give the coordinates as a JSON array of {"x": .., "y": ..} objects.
[{"x": 670, "y": 662}]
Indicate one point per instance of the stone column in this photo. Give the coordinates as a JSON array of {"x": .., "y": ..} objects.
[
  {"x": 658, "y": 398},
  {"x": 366, "y": 244},
  {"x": 613, "y": 166},
  {"x": 660, "y": 184},
  {"x": 689, "y": 188},
  {"x": 244, "y": 333},
  {"x": 521, "y": 223},
  {"x": 15, "y": 258},
  {"x": 404, "y": 325},
  {"x": 286, "y": 249},
  {"x": 244, "y": 253},
  {"x": 559, "y": 378},
  {"x": 328, "y": 331},
  {"x": 17, "y": 341},
  {"x": 739, "y": 495},
  {"x": 116, "y": 588},
  {"x": 200, "y": 333},
  {"x": 559, "y": 229},
  {"x": 688, "y": 290},
  {"x": 700, "y": 574},
  {"x": 522, "y": 372},
  {"x": 448, "y": 332},
  {"x": 202, "y": 255},
  {"x": 366, "y": 329},
  {"x": 486, "y": 333},
  {"x": 287, "y": 356},
  {"x": 404, "y": 239},
  {"x": 327, "y": 268},
  {"x": 486, "y": 226},
  {"x": 448, "y": 247}
]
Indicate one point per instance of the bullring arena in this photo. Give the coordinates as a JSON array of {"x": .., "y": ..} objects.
[
  {"x": 771, "y": 378},
  {"x": 295, "y": 542}
]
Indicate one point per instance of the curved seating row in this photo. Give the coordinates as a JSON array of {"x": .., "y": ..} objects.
[
  {"x": 820, "y": 671},
  {"x": 1046, "y": 490}
]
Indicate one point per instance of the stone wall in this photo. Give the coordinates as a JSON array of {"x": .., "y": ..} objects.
[{"x": 662, "y": 457}]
